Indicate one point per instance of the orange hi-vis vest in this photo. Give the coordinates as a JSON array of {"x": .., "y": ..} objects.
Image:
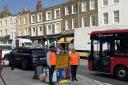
[
  {"x": 74, "y": 58},
  {"x": 52, "y": 58}
]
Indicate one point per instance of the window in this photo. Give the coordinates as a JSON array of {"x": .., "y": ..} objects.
[
  {"x": 84, "y": 21},
  {"x": 67, "y": 10},
  {"x": 33, "y": 31},
  {"x": 105, "y": 2},
  {"x": 74, "y": 23},
  {"x": 39, "y": 17},
  {"x": 116, "y": 16},
  {"x": 48, "y": 15},
  {"x": 0, "y": 32},
  {"x": 49, "y": 29},
  {"x": 19, "y": 21},
  {"x": 57, "y": 27},
  {"x": 0, "y": 23},
  {"x": 57, "y": 13},
  {"x": 67, "y": 25},
  {"x": 25, "y": 20},
  {"x": 5, "y": 31},
  {"x": 40, "y": 30},
  {"x": 92, "y": 4},
  {"x": 84, "y": 6},
  {"x": 33, "y": 18},
  {"x": 6, "y": 23},
  {"x": 74, "y": 8},
  {"x": 105, "y": 18},
  {"x": 92, "y": 21},
  {"x": 116, "y": 1}
]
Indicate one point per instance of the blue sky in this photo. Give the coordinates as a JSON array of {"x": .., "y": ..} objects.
[{"x": 16, "y": 5}]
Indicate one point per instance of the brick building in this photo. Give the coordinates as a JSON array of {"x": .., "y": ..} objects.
[{"x": 56, "y": 23}]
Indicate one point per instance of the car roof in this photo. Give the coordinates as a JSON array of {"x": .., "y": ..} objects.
[{"x": 31, "y": 48}]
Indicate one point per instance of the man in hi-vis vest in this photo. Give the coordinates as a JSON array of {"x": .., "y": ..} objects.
[
  {"x": 51, "y": 62},
  {"x": 74, "y": 62}
]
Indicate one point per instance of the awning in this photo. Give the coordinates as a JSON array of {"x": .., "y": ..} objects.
[{"x": 65, "y": 40}]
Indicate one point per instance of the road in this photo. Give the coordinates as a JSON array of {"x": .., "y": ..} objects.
[{"x": 83, "y": 70}]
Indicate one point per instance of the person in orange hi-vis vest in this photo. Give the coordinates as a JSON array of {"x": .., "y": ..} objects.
[
  {"x": 51, "y": 62},
  {"x": 74, "y": 62}
]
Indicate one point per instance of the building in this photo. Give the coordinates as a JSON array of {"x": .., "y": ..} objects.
[
  {"x": 23, "y": 23},
  {"x": 57, "y": 23},
  {"x": 46, "y": 23},
  {"x": 112, "y": 12},
  {"x": 7, "y": 26},
  {"x": 79, "y": 14}
]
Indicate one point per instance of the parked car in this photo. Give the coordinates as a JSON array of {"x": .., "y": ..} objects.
[
  {"x": 27, "y": 57},
  {"x": 6, "y": 48}
]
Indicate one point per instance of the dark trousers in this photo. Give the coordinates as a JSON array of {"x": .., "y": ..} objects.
[
  {"x": 73, "y": 71},
  {"x": 51, "y": 71}
]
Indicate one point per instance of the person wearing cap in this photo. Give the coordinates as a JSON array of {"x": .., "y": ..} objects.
[
  {"x": 74, "y": 62},
  {"x": 51, "y": 62}
]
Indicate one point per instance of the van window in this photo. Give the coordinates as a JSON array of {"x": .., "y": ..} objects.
[{"x": 5, "y": 47}]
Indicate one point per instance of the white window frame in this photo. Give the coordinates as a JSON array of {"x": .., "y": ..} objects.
[
  {"x": 66, "y": 25},
  {"x": 57, "y": 27},
  {"x": 55, "y": 13},
  {"x": 33, "y": 18},
  {"x": 92, "y": 4},
  {"x": 0, "y": 23},
  {"x": 25, "y": 20},
  {"x": 91, "y": 23},
  {"x": 105, "y": 18},
  {"x": 83, "y": 21},
  {"x": 19, "y": 21},
  {"x": 73, "y": 21},
  {"x": 48, "y": 32},
  {"x": 6, "y": 22},
  {"x": 40, "y": 27},
  {"x": 105, "y": 2},
  {"x": 115, "y": 22},
  {"x": 115, "y": 1},
  {"x": 73, "y": 7},
  {"x": 39, "y": 19},
  {"x": 33, "y": 33},
  {"x": 84, "y": 6},
  {"x": 67, "y": 11},
  {"x": 49, "y": 15}
]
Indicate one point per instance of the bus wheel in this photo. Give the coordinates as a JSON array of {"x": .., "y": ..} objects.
[{"x": 121, "y": 73}]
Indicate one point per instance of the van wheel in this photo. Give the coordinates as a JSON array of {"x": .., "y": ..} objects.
[
  {"x": 121, "y": 73},
  {"x": 24, "y": 65}
]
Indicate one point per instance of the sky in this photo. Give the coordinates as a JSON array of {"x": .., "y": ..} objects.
[{"x": 17, "y": 5}]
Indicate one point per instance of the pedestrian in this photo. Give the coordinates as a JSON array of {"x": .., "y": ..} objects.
[
  {"x": 12, "y": 61},
  {"x": 74, "y": 62},
  {"x": 51, "y": 62}
]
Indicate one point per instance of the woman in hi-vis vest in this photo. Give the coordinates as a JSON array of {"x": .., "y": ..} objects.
[
  {"x": 74, "y": 62},
  {"x": 51, "y": 62}
]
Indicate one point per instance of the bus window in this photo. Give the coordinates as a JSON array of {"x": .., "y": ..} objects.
[{"x": 121, "y": 45}]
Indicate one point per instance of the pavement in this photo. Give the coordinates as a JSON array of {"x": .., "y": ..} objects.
[{"x": 19, "y": 77}]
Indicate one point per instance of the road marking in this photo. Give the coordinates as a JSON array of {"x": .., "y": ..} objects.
[{"x": 100, "y": 83}]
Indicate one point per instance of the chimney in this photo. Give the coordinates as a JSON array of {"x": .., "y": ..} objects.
[{"x": 38, "y": 5}]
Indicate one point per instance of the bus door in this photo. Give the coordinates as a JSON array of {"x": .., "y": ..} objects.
[{"x": 101, "y": 57}]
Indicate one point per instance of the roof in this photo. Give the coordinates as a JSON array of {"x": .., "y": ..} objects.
[
  {"x": 110, "y": 31},
  {"x": 32, "y": 48}
]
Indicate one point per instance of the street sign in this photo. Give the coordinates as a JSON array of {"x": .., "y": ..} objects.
[{"x": 62, "y": 61}]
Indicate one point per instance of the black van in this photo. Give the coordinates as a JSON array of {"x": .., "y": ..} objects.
[{"x": 27, "y": 57}]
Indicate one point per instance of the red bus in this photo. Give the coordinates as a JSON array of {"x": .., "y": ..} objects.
[{"x": 109, "y": 53}]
